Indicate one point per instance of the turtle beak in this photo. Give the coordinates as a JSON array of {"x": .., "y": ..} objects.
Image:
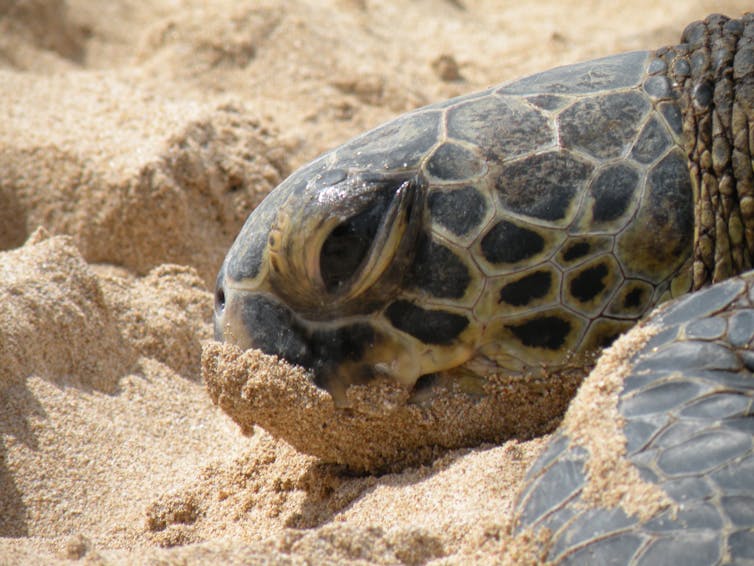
[{"x": 250, "y": 319}]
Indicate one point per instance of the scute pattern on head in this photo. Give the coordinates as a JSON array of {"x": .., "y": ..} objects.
[{"x": 528, "y": 243}]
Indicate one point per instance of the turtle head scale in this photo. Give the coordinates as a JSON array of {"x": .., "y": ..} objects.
[{"x": 311, "y": 266}]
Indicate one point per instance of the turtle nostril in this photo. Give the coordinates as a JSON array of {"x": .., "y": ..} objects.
[{"x": 219, "y": 299}]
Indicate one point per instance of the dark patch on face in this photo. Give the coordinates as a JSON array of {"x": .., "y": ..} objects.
[
  {"x": 549, "y": 332},
  {"x": 602, "y": 125},
  {"x": 452, "y": 162},
  {"x": 589, "y": 283},
  {"x": 613, "y": 190},
  {"x": 508, "y": 243},
  {"x": 438, "y": 270},
  {"x": 274, "y": 330},
  {"x": 633, "y": 298},
  {"x": 342, "y": 343},
  {"x": 458, "y": 210},
  {"x": 533, "y": 286},
  {"x": 575, "y": 251},
  {"x": 652, "y": 143},
  {"x": 429, "y": 326},
  {"x": 542, "y": 186}
]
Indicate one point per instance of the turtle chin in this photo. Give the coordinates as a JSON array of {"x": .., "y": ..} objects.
[
  {"x": 338, "y": 355},
  {"x": 250, "y": 319}
]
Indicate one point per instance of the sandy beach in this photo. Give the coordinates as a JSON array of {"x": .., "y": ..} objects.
[{"x": 135, "y": 138}]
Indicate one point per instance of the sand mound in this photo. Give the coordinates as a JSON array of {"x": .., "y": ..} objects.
[{"x": 139, "y": 135}]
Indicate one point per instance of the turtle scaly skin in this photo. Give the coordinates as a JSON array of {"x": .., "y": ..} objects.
[
  {"x": 513, "y": 230},
  {"x": 687, "y": 410}
]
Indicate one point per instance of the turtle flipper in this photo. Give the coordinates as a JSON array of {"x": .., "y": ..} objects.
[{"x": 686, "y": 409}]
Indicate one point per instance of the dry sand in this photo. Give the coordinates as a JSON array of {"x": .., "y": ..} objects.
[{"x": 138, "y": 135}]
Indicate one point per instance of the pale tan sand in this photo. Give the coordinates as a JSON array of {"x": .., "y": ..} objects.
[{"x": 139, "y": 135}]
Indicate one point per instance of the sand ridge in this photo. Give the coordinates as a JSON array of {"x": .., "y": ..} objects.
[{"x": 139, "y": 135}]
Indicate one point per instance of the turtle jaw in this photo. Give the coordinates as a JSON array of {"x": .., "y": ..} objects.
[
  {"x": 339, "y": 354},
  {"x": 251, "y": 319}
]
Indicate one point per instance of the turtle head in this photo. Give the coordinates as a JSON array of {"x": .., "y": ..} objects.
[{"x": 313, "y": 264}]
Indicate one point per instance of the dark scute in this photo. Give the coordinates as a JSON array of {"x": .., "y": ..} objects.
[
  {"x": 633, "y": 298},
  {"x": 274, "y": 330},
  {"x": 689, "y": 355},
  {"x": 401, "y": 143},
  {"x": 616, "y": 549},
  {"x": 718, "y": 406},
  {"x": 700, "y": 548},
  {"x": 547, "y": 332},
  {"x": 575, "y": 251},
  {"x": 504, "y": 127},
  {"x": 452, "y": 162},
  {"x": 542, "y": 186},
  {"x": 458, "y": 210},
  {"x": 603, "y": 125},
  {"x": 702, "y": 303},
  {"x": 508, "y": 243},
  {"x": 739, "y": 509},
  {"x": 556, "y": 446},
  {"x": 703, "y": 93},
  {"x": 741, "y": 544},
  {"x": 704, "y": 452},
  {"x": 343, "y": 343},
  {"x": 347, "y": 246},
  {"x": 673, "y": 116},
  {"x": 548, "y": 101},
  {"x": 528, "y": 288},
  {"x": 661, "y": 398},
  {"x": 741, "y": 328},
  {"x": 597, "y": 523},
  {"x": 429, "y": 326},
  {"x": 613, "y": 190},
  {"x": 589, "y": 283},
  {"x": 438, "y": 270},
  {"x": 556, "y": 485},
  {"x": 706, "y": 328},
  {"x": 605, "y": 74},
  {"x": 670, "y": 182},
  {"x": 657, "y": 87},
  {"x": 653, "y": 141}
]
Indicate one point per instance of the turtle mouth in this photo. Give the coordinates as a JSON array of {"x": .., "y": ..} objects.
[
  {"x": 250, "y": 319},
  {"x": 337, "y": 353}
]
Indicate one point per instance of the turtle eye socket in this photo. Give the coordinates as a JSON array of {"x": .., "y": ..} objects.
[{"x": 347, "y": 246}]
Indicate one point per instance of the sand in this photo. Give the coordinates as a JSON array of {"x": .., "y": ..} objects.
[{"x": 135, "y": 137}]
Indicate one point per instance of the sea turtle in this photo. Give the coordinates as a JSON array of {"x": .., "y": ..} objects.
[
  {"x": 515, "y": 229},
  {"x": 521, "y": 229}
]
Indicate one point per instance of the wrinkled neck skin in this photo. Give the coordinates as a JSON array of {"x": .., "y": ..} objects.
[{"x": 713, "y": 72}]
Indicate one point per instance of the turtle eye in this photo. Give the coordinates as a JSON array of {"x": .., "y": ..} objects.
[{"x": 347, "y": 246}]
